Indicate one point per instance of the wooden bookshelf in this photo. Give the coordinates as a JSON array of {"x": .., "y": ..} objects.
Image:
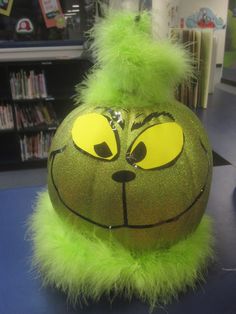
[{"x": 34, "y": 99}]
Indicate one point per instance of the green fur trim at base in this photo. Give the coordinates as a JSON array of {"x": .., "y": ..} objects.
[{"x": 86, "y": 267}]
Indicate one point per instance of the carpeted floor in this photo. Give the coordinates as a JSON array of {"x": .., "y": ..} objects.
[
  {"x": 220, "y": 122},
  {"x": 23, "y": 178}
]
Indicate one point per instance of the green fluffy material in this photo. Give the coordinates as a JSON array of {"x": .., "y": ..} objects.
[
  {"x": 132, "y": 69},
  {"x": 85, "y": 266}
]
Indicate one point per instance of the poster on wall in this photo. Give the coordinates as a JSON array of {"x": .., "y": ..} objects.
[
  {"x": 205, "y": 18},
  {"x": 24, "y": 26},
  {"x": 229, "y": 72},
  {"x": 5, "y": 7},
  {"x": 52, "y": 12}
]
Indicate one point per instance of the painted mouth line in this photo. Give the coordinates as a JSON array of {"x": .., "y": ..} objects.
[{"x": 125, "y": 225}]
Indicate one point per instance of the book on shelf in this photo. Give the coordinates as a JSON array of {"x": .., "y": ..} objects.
[
  {"x": 6, "y": 117},
  {"x": 28, "y": 85},
  {"x": 199, "y": 43},
  {"x": 39, "y": 115},
  {"x": 36, "y": 146}
]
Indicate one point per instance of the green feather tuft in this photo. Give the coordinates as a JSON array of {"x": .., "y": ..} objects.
[
  {"x": 84, "y": 266},
  {"x": 132, "y": 69}
]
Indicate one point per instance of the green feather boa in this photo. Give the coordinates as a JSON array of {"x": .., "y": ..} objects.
[
  {"x": 85, "y": 266},
  {"x": 132, "y": 69}
]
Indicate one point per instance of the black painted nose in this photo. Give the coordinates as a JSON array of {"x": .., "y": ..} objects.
[{"x": 123, "y": 176}]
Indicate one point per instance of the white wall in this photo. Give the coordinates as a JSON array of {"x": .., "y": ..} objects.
[
  {"x": 132, "y": 5},
  {"x": 219, "y": 8},
  {"x": 189, "y": 7},
  {"x": 163, "y": 17}
]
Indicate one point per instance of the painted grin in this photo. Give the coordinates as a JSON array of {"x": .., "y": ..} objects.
[{"x": 123, "y": 177}]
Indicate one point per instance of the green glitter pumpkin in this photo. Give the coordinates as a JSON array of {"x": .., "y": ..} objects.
[
  {"x": 129, "y": 176},
  {"x": 142, "y": 174}
]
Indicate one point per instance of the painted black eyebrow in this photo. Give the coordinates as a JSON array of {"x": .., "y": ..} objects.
[
  {"x": 137, "y": 125},
  {"x": 138, "y": 115},
  {"x": 126, "y": 110}
]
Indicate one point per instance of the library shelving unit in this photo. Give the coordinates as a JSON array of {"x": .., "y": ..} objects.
[{"x": 35, "y": 96}]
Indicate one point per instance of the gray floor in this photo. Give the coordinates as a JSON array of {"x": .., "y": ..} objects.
[
  {"x": 227, "y": 88},
  {"x": 219, "y": 120},
  {"x": 23, "y": 178},
  {"x": 229, "y": 75}
]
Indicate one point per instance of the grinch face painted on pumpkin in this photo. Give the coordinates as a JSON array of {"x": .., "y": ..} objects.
[
  {"x": 141, "y": 175},
  {"x": 129, "y": 174}
]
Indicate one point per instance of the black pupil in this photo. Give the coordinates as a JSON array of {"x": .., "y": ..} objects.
[
  {"x": 139, "y": 152},
  {"x": 103, "y": 150}
]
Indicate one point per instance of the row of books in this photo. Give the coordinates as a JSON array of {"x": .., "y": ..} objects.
[
  {"x": 41, "y": 114},
  {"x": 28, "y": 85},
  {"x": 199, "y": 43},
  {"x": 35, "y": 146},
  {"x": 6, "y": 117}
]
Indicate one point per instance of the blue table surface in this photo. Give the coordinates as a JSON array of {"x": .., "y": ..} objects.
[{"x": 21, "y": 291}]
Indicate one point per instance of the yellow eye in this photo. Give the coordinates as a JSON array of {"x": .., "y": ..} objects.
[
  {"x": 157, "y": 146},
  {"x": 93, "y": 134}
]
